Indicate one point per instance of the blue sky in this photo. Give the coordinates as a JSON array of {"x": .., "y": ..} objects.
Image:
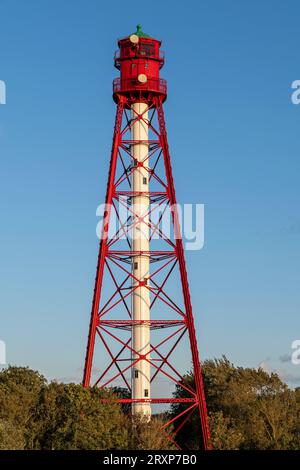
[{"x": 234, "y": 138}]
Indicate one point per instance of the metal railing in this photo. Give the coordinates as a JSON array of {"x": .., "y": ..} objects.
[
  {"x": 161, "y": 55},
  {"x": 153, "y": 84}
]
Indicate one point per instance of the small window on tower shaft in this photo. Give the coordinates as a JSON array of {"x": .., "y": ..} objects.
[
  {"x": 136, "y": 374},
  {"x": 144, "y": 180},
  {"x": 146, "y": 392},
  {"x": 136, "y": 265}
]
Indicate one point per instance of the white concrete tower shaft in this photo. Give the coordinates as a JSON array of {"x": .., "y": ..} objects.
[{"x": 140, "y": 261}]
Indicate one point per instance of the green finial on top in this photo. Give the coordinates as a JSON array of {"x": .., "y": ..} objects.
[{"x": 140, "y": 33}]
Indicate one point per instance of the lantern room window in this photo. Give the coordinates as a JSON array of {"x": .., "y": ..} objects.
[{"x": 147, "y": 49}]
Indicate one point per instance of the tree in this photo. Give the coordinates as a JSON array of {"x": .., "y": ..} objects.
[
  {"x": 248, "y": 409},
  {"x": 251, "y": 404},
  {"x": 38, "y": 415},
  {"x": 148, "y": 435},
  {"x": 121, "y": 392},
  {"x": 71, "y": 417},
  {"x": 296, "y": 434},
  {"x": 224, "y": 433},
  {"x": 11, "y": 437},
  {"x": 19, "y": 391}
]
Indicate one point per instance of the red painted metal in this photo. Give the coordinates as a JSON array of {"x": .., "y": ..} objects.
[{"x": 111, "y": 314}]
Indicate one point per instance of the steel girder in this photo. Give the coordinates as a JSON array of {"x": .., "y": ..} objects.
[{"x": 111, "y": 316}]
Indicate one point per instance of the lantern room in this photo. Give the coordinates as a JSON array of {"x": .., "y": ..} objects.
[{"x": 139, "y": 60}]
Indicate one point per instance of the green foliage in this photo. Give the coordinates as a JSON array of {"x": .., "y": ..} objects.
[
  {"x": 19, "y": 389},
  {"x": 224, "y": 434},
  {"x": 148, "y": 435},
  {"x": 11, "y": 436},
  {"x": 121, "y": 392},
  {"x": 71, "y": 417},
  {"x": 37, "y": 415},
  {"x": 248, "y": 408},
  {"x": 296, "y": 440}
]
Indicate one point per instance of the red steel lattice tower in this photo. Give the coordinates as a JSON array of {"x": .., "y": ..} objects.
[{"x": 137, "y": 323}]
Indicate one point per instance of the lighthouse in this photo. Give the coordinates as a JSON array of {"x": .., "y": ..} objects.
[
  {"x": 136, "y": 320},
  {"x": 139, "y": 61}
]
